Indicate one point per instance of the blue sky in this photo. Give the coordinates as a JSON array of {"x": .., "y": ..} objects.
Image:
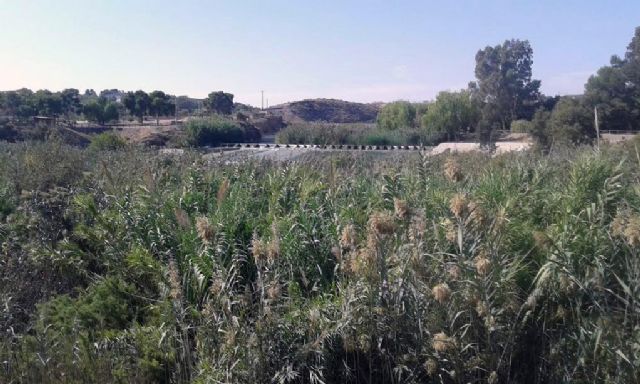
[{"x": 354, "y": 50}]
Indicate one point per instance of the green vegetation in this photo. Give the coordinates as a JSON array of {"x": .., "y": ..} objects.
[
  {"x": 107, "y": 141},
  {"x": 161, "y": 104},
  {"x": 101, "y": 111},
  {"x": 452, "y": 114},
  {"x": 351, "y": 134},
  {"x": 129, "y": 266},
  {"x": 327, "y": 111},
  {"x": 397, "y": 115},
  {"x": 521, "y": 126},
  {"x": 219, "y": 102},
  {"x": 615, "y": 90},
  {"x": 215, "y": 130}
]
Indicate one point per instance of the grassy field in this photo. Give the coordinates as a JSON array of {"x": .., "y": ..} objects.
[{"x": 131, "y": 266}]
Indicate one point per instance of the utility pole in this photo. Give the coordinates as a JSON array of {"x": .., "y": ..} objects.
[{"x": 262, "y": 105}]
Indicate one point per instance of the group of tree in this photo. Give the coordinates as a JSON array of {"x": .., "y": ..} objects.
[
  {"x": 156, "y": 103},
  {"x": 504, "y": 91},
  {"x": 109, "y": 105},
  {"x": 615, "y": 90},
  {"x": 101, "y": 111},
  {"x": 505, "y": 96},
  {"x": 24, "y": 103},
  {"x": 219, "y": 103}
]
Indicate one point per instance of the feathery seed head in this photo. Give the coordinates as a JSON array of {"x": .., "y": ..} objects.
[
  {"x": 381, "y": 223},
  {"x": 273, "y": 248},
  {"x": 619, "y": 223},
  {"x": 182, "y": 218},
  {"x": 258, "y": 249},
  {"x": 483, "y": 265},
  {"x": 477, "y": 214},
  {"x": 431, "y": 367},
  {"x": 458, "y": 205},
  {"x": 482, "y": 308},
  {"x": 217, "y": 285},
  {"x": 401, "y": 208},
  {"x": 632, "y": 231},
  {"x": 348, "y": 237},
  {"x": 541, "y": 240},
  {"x": 418, "y": 226},
  {"x": 452, "y": 170},
  {"x": 274, "y": 291},
  {"x": 450, "y": 230},
  {"x": 222, "y": 191},
  {"x": 442, "y": 343},
  {"x": 441, "y": 292},
  {"x": 204, "y": 229},
  {"x": 174, "y": 281}
]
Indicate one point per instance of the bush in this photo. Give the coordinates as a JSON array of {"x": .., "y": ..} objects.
[
  {"x": 521, "y": 126},
  {"x": 450, "y": 268},
  {"x": 347, "y": 134},
  {"x": 107, "y": 141},
  {"x": 216, "y": 130},
  {"x": 8, "y": 131},
  {"x": 397, "y": 115}
]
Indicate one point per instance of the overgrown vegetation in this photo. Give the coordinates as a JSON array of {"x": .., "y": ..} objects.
[
  {"x": 129, "y": 266},
  {"x": 107, "y": 141},
  {"x": 216, "y": 129},
  {"x": 353, "y": 134}
]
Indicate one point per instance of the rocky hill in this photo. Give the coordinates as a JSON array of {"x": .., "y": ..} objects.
[{"x": 326, "y": 110}]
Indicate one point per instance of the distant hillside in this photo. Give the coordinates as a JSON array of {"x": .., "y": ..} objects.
[{"x": 326, "y": 110}]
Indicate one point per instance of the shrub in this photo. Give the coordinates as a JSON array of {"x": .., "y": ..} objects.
[
  {"x": 521, "y": 126},
  {"x": 465, "y": 268},
  {"x": 107, "y": 141},
  {"x": 397, "y": 115},
  {"x": 8, "y": 131},
  {"x": 349, "y": 134},
  {"x": 215, "y": 130}
]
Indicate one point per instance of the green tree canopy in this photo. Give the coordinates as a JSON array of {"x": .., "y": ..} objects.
[
  {"x": 101, "y": 111},
  {"x": 161, "y": 104},
  {"x": 219, "y": 102},
  {"x": 137, "y": 103},
  {"x": 48, "y": 103},
  {"x": 570, "y": 122},
  {"x": 451, "y": 114},
  {"x": 615, "y": 90},
  {"x": 397, "y": 115},
  {"x": 504, "y": 85},
  {"x": 70, "y": 99}
]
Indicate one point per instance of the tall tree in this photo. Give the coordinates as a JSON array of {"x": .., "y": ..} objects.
[
  {"x": 160, "y": 105},
  {"x": 101, "y": 111},
  {"x": 48, "y": 103},
  {"x": 504, "y": 85},
  {"x": 615, "y": 90},
  {"x": 396, "y": 115},
  {"x": 70, "y": 101},
  {"x": 219, "y": 102},
  {"x": 137, "y": 103},
  {"x": 451, "y": 114}
]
